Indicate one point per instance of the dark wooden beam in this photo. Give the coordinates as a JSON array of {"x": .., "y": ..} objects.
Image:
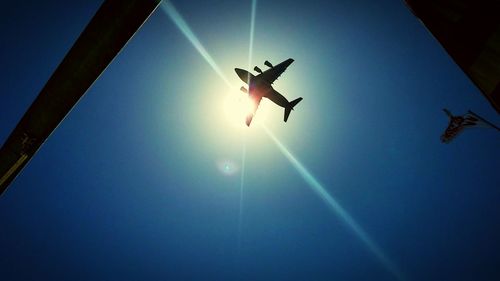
[
  {"x": 107, "y": 33},
  {"x": 469, "y": 30}
]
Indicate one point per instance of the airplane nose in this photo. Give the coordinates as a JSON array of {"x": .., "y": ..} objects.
[{"x": 243, "y": 74}]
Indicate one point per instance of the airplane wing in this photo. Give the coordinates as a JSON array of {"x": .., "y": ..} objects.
[
  {"x": 251, "y": 114},
  {"x": 274, "y": 72}
]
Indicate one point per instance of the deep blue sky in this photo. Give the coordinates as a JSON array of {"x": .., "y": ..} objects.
[{"x": 129, "y": 187}]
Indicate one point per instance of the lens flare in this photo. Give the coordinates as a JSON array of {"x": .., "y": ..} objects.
[
  {"x": 227, "y": 167},
  {"x": 252, "y": 32},
  {"x": 242, "y": 183},
  {"x": 179, "y": 21},
  {"x": 244, "y": 146}
]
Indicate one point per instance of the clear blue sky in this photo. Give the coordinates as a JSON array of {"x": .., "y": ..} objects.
[{"x": 130, "y": 186}]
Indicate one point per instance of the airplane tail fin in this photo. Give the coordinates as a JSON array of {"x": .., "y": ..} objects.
[{"x": 290, "y": 106}]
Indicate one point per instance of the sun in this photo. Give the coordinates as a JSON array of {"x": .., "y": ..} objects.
[{"x": 238, "y": 105}]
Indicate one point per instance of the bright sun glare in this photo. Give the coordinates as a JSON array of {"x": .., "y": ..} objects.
[{"x": 237, "y": 106}]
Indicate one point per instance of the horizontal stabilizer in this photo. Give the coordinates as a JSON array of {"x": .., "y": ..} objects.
[{"x": 290, "y": 106}]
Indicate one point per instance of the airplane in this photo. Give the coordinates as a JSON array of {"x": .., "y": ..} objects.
[{"x": 260, "y": 86}]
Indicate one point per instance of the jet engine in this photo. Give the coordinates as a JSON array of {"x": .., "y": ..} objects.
[
  {"x": 257, "y": 69},
  {"x": 267, "y": 63}
]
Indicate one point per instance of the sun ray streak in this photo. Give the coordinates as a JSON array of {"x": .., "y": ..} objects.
[
  {"x": 243, "y": 153},
  {"x": 252, "y": 32},
  {"x": 179, "y": 21},
  {"x": 242, "y": 183},
  {"x": 316, "y": 186}
]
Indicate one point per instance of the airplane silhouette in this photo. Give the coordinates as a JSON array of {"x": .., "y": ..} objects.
[{"x": 260, "y": 86}]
